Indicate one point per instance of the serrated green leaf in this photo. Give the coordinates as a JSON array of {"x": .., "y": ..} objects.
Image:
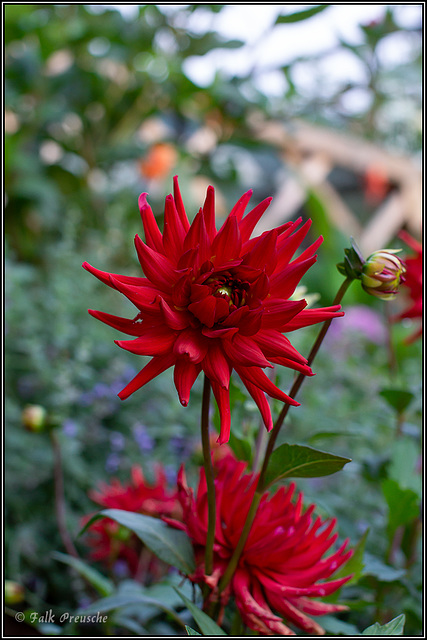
[
  {"x": 100, "y": 583},
  {"x": 191, "y": 632},
  {"x": 207, "y": 626},
  {"x": 170, "y": 545},
  {"x": 403, "y": 505},
  {"x": 301, "y": 15},
  {"x": 399, "y": 399},
  {"x": 298, "y": 461},
  {"x": 392, "y": 628}
]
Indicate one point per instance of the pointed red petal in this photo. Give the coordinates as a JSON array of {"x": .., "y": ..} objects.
[
  {"x": 239, "y": 208},
  {"x": 156, "y": 266},
  {"x": 222, "y": 397},
  {"x": 155, "y": 367},
  {"x": 131, "y": 327},
  {"x": 261, "y": 402},
  {"x": 185, "y": 374},
  {"x": 179, "y": 204},
  {"x": 227, "y": 243},
  {"x": 308, "y": 317},
  {"x": 278, "y": 313},
  {"x": 154, "y": 341},
  {"x": 284, "y": 283},
  {"x": 153, "y": 237},
  {"x": 104, "y": 276},
  {"x": 173, "y": 231},
  {"x": 209, "y": 212},
  {"x": 216, "y": 366},
  {"x": 250, "y": 220},
  {"x": 259, "y": 379},
  {"x": 245, "y": 352},
  {"x": 193, "y": 344}
]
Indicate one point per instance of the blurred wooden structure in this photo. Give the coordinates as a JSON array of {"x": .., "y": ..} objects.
[{"x": 312, "y": 152}]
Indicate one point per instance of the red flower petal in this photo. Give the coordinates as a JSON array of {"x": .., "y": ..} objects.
[
  {"x": 155, "y": 367},
  {"x": 131, "y": 327},
  {"x": 222, "y": 397},
  {"x": 192, "y": 344},
  {"x": 154, "y": 341},
  {"x": 259, "y": 379},
  {"x": 156, "y": 266},
  {"x": 153, "y": 237},
  {"x": 185, "y": 374},
  {"x": 250, "y": 220}
]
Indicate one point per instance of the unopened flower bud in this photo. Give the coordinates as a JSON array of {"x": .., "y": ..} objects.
[
  {"x": 13, "y": 592},
  {"x": 382, "y": 274},
  {"x": 34, "y": 418}
]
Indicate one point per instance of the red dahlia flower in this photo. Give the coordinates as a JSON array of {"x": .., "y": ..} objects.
[
  {"x": 215, "y": 301},
  {"x": 111, "y": 542},
  {"x": 413, "y": 283},
  {"x": 281, "y": 568}
]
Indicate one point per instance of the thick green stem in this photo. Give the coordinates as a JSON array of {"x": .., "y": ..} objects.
[
  {"x": 59, "y": 496},
  {"x": 210, "y": 482},
  {"x": 261, "y": 486}
]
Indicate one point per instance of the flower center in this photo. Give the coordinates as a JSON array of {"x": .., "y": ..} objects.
[{"x": 234, "y": 291}]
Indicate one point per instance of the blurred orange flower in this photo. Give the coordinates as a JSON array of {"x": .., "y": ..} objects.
[{"x": 159, "y": 161}]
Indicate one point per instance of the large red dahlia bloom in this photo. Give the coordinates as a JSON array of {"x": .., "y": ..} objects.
[
  {"x": 215, "y": 301},
  {"x": 282, "y": 566},
  {"x": 413, "y": 283},
  {"x": 108, "y": 541}
]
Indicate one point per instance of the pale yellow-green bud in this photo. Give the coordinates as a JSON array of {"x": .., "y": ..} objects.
[
  {"x": 382, "y": 273},
  {"x": 34, "y": 418},
  {"x": 13, "y": 592}
]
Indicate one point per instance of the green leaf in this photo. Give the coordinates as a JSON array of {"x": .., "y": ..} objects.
[
  {"x": 170, "y": 545},
  {"x": 381, "y": 571},
  {"x": 321, "y": 435},
  {"x": 392, "y": 628},
  {"x": 403, "y": 505},
  {"x": 337, "y": 627},
  {"x": 191, "y": 632},
  {"x": 402, "y": 465},
  {"x": 120, "y": 600},
  {"x": 241, "y": 448},
  {"x": 207, "y": 626},
  {"x": 397, "y": 398},
  {"x": 301, "y": 15},
  {"x": 298, "y": 461},
  {"x": 356, "y": 564},
  {"x": 100, "y": 583}
]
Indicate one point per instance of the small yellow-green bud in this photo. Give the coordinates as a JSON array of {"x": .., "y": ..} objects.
[
  {"x": 34, "y": 418},
  {"x": 13, "y": 592},
  {"x": 382, "y": 273}
]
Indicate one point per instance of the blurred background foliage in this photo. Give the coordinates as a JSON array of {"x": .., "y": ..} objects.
[{"x": 99, "y": 108}]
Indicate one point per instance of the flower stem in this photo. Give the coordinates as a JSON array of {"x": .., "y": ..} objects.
[
  {"x": 210, "y": 483},
  {"x": 59, "y": 496},
  {"x": 261, "y": 486}
]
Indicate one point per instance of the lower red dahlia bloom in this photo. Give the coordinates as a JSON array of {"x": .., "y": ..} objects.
[
  {"x": 281, "y": 568},
  {"x": 108, "y": 540},
  {"x": 413, "y": 283},
  {"x": 214, "y": 301}
]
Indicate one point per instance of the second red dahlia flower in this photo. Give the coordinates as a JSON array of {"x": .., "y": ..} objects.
[
  {"x": 413, "y": 284},
  {"x": 282, "y": 567},
  {"x": 214, "y": 301},
  {"x": 109, "y": 542}
]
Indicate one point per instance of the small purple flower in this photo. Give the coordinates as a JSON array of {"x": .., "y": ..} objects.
[
  {"x": 69, "y": 428},
  {"x": 112, "y": 463},
  {"x": 144, "y": 441},
  {"x": 362, "y": 320},
  {"x": 117, "y": 441}
]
